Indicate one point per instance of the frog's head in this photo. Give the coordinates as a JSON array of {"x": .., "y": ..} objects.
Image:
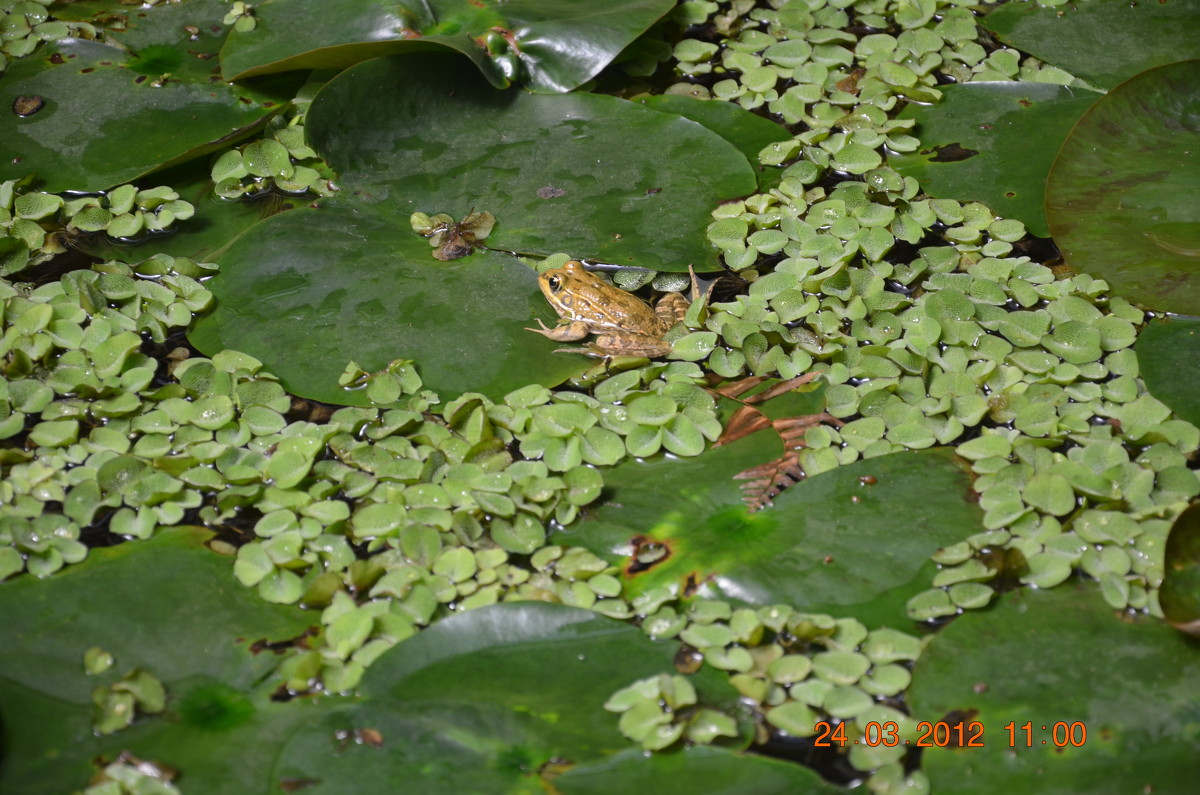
[{"x": 561, "y": 285}]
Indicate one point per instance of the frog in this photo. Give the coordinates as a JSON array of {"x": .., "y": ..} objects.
[{"x": 624, "y": 324}]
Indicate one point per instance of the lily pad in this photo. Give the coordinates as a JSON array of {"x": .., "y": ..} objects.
[
  {"x": 994, "y": 143},
  {"x": 749, "y": 132},
  {"x": 550, "y": 45},
  {"x": 1122, "y": 199},
  {"x": 697, "y": 769},
  {"x": 479, "y": 702},
  {"x": 1068, "y": 666},
  {"x": 149, "y": 81},
  {"x": 1180, "y": 594},
  {"x": 1168, "y": 352},
  {"x": 163, "y": 606},
  {"x": 595, "y": 176},
  {"x": 831, "y": 543},
  {"x": 309, "y": 291},
  {"x": 1136, "y": 36}
]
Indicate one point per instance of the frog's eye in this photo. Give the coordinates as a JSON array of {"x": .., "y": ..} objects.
[{"x": 555, "y": 284}]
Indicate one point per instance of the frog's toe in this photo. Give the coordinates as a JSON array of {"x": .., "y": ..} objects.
[{"x": 585, "y": 351}]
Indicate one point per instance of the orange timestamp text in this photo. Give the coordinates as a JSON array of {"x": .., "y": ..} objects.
[{"x": 942, "y": 734}]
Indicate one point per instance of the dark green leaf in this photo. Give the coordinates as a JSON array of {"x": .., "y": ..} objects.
[
  {"x": 691, "y": 770},
  {"x": 168, "y": 607},
  {"x": 1122, "y": 199},
  {"x": 994, "y": 143},
  {"x": 1180, "y": 594},
  {"x": 76, "y": 142},
  {"x": 310, "y": 290},
  {"x": 829, "y": 544},
  {"x": 594, "y": 176},
  {"x": 1065, "y": 659},
  {"x": 1136, "y": 36},
  {"x": 747, "y": 131},
  {"x": 556, "y": 44},
  {"x": 1168, "y": 352},
  {"x": 480, "y": 701}
]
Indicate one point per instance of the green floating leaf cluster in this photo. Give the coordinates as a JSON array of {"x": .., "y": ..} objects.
[
  {"x": 114, "y": 706},
  {"x": 29, "y": 221},
  {"x": 25, "y": 25},
  {"x": 796, "y": 668},
  {"x": 80, "y": 389},
  {"x": 280, "y": 160},
  {"x": 241, "y": 16},
  {"x": 655, "y": 713},
  {"x": 802, "y": 62},
  {"x": 131, "y": 776}
]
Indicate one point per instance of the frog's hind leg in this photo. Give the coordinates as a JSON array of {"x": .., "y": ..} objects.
[{"x": 630, "y": 345}]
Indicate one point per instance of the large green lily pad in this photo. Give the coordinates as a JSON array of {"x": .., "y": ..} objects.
[
  {"x": 749, "y": 132},
  {"x": 1132, "y": 37},
  {"x": 1168, "y": 352},
  {"x": 156, "y": 76},
  {"x": 994, "y": 143},
  {"x": 1051, "y": 659},
  {"x": 1180, "y": 593},
  {"x": 480, "y": 701},
  {"x": 714, "y": 771},
  {"x": 550, "y": 45},
  {"x": 831, "y": 543},
  {"x": 309, "y": 291},
  {"x": 169, "y": 607},
  {"x": 1123, "y": 201},
  {"x": 594, "y": 176},
  {"x": 591, "y": 175}
]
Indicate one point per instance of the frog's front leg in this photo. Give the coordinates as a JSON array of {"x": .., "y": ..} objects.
[{"x": 563, "y": 332}]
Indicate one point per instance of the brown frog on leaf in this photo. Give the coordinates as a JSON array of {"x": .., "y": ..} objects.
[{"x": 624, "y": 324}]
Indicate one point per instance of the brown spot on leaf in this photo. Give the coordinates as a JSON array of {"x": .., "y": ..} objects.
[
  {"x": 960, "y": 717},
  {"x": 688, "y": 659},
  {"x": 25, "y": 106},
  {"x": 647, "y": 553},
  {"x": 280, "y": 646}
]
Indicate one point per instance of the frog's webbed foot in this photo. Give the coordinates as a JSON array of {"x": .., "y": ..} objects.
[{"x": 587, "y": 350}]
